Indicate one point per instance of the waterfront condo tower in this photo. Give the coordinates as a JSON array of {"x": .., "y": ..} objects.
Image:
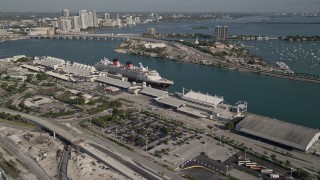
[{"x": 221, "y": 32}]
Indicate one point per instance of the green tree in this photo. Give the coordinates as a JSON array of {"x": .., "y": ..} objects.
[
  {"x": 29, "y": 78},
  {"x": 288, "y": 162},
  {"x": 143, "y": 141}
]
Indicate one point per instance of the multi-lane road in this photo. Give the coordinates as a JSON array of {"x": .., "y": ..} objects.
[
  {"x": 152, "y": 168},
  {"x": 27, "y": 161}
]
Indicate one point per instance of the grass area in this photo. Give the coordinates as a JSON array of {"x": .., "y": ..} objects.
[{"x": 18, "y": 123}]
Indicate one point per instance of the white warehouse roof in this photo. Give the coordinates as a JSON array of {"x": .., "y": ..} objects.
[
  {"x": 169, "y": 101},
  {"x": 114, "y": 82},
  {"x": 153, "y": 92}
]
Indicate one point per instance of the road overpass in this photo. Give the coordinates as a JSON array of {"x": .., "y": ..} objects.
[{"x": 85, "y": 147}]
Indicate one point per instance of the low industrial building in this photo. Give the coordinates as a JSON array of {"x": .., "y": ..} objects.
[
  {"x": 153, "y": 92},
  {"x": 59, "y": 76},
  {"x": 113, "y": 82},
  {"x": 280, "y": 132},
  {"x": 170, "y": 102},
  {"x": 32, "y": 68},
  {"x": 201, "y": 105}
]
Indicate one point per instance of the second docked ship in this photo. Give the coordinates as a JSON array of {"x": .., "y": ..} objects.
[{"x": 134, "y": 73}]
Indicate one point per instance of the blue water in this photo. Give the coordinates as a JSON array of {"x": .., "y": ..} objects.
[
  {"x": 242, "y": 26},
  {"x": 291, "y": 101},
  {"x": 288, "y": 100}
]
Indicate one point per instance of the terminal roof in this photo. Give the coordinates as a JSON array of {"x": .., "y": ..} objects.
[
  {"x": 114, "y": 82},
  {"x": 278, "y": 131},
  {"x": 203, "y": 98},
  {"x": 153, "y": 92},
  {"x": 169, "y": 101}
]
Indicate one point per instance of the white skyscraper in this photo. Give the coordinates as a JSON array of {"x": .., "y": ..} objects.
[
  {"x": 106, "y": 16},
  {"x": 76, "y": 22},
  {"x": 129, "y": 20},
  {"x": 61, "y": 25},
  {"x": 137, "y": 20},
  {"x": 83, "y": 19},
  {"x": 67, "y": 23},
  {"x": 65, "y": 13},
  {"x": 94, "y": 19},
  {"x": 90, "y": 19}
]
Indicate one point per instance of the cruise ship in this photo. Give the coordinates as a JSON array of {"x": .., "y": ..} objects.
[{"x": 134, "y": 73}]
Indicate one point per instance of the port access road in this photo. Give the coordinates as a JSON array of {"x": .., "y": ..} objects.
[
  {"x": 25, "y": 160},
  {"x": 71, "y": 136}
]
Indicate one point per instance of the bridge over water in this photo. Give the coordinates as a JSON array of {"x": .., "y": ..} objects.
[{"x": 88, "y": 36}]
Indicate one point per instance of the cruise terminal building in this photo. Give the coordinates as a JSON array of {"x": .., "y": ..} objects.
[{"x": 280, "y": 132}]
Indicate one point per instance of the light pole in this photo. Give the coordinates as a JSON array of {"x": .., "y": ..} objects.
[
  {"x": 227, "y": 169},
  {"x": 146, "y": 145},
  {"x": 245, "y": 154},
  {"x": 291, "y": 173},
  {"x": 116, "y": 133}
]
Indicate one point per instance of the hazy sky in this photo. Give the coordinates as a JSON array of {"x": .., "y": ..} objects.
[{"x": 161, "y": 5}]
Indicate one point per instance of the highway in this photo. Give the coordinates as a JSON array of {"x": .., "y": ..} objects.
[
  {"x": 70, "y": 136},
  {"x": 25, "y": 160},
  {"x": 127, "y": 163}
]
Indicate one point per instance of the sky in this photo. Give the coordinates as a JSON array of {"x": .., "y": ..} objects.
[{"x": 161, "y": 5}]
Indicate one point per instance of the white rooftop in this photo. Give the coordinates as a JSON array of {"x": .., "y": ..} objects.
[
  {"x": 202, "y": 98},
  {"x": 79, "y": 69},
  {"x": 192, "y": 111},
  {"x": 169, "y": 101},
  {"x": 51, "y": 61},
  {"x": 153, "y": 92},
  {"x": 30, "y": 67},
  {"x": 56, "y": 75},
  {"x": 114, "y": 82}
]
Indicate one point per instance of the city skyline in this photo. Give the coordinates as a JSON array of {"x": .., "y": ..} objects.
[{"x": 163, "y": 6}]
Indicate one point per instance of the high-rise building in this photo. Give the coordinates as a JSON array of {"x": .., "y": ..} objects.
[
  {"x": 90, "y": 19},
  {"x": 137, "y": 20},
  {"x": 42, "y": 23},
  {"x": 94, "y": 19},
  {"x": 106, "y": 16},
  {"x": 61, "y": 25},
  {"x": 54, "y": 24},
  {"x": 151, "y": 31},
  {"x": 65, "y": 13},
  {"x": 118, "y": 21},
  {"x": 129, "y": 20},
  {"x": 221, "y": 32},
  {"x": 67, "y": 24},
  {"x": 83, "y": 19},
  {"x": 76, "y": 22}
]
